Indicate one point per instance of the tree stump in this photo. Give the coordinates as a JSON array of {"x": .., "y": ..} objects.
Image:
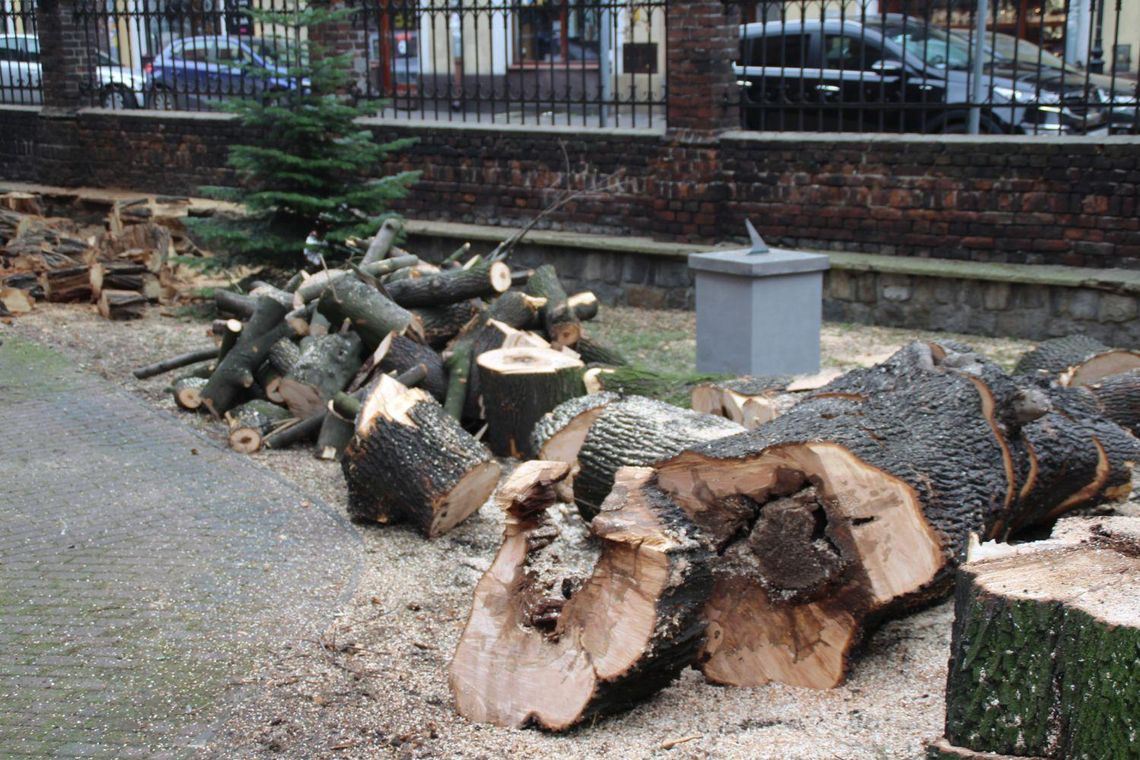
[
  {"x": 518, "y": 386},
  {"x": 549, "y": 647}
]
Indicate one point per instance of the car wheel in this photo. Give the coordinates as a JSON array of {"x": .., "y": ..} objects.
[
  {"x": 116, "y": 99},
  {"x": 162, "y": 99}
]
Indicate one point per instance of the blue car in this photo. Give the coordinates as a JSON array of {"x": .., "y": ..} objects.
[{"x": 194, "y": 72}]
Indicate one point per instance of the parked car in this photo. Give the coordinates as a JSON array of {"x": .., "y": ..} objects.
[
  {"x": 894, "y": 74},
  {"x": 21, "y": 73},
  {"x": 1117, "y": 91},
  {"x": 194, "y": 72}
]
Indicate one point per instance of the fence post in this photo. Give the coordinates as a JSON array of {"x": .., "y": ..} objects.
[{"x": 702, "y": 40}]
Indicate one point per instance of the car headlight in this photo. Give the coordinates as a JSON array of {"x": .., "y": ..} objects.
[{"x": 1026, "y": 96}]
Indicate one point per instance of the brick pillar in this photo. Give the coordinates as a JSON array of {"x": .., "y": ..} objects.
[
  {"x": 348, "y": 36},
  {"x": 64, "y": 56},
  {"x": 702, "y": 40}
]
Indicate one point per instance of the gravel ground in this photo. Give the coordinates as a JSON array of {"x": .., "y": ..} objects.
[{"x": 375, "y": 684}]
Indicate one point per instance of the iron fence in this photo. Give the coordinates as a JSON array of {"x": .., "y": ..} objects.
[
  {"x": 20, "y": 68},
  {"x": 934, "y": 66}
]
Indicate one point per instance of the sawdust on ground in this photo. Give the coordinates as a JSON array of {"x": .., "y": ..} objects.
[{"x": 375, "y": 684}]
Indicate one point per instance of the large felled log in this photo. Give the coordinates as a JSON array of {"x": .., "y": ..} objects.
[
  {"x": 1077, "y": 360},
  {"x": 451, "y": 286},
  {"x": 251, "y": 422},
  {"x": 234, "y": 374},
  {"x": 544, "y": 648},
  {"x": 122, "y": 304},
  {"x": 67, "y": 285},
  {"x": 489, "y": 337},
  {"x": 397, "y": 354},
  {"x": 852, "y": 505},
  {"x": 559, "y": 319},
  {"x": 637, "y": 431},
  {"x": 559, "y": 434},
  {"x": 368, "y": 312},
  {"x": 518, "y": 386},
  {"x": 442, "y": 323},
  {"x": 410, "y": 462},
  {"x": 324, "y": 367},
  {"x": 1044, "y": 650},
  {"x": 584, "y": 304}
]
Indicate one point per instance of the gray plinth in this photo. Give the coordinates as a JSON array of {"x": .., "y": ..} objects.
[{"x": 758, "y": 313}]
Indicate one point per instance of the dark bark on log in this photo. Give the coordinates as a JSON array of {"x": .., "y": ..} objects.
[
  {"x": 559, "y": 434},
  {"x": 593, "y": 352},
  {"x": 369, "y": 313},
  {"x": 442, "y": 323},
  {"x": 229, "y": 302},
  {"x": 489, "y": 337},
  {"x": 1077, "y": 360},
  {"x": 235, "y": 373},
  {"x": 410, "y": 462},
  {"x": 451, "y": 286},
  {"x": 122, "y": 304},
  {"x": 637, "y": 431},
  {"x": 1118, "y": 397},
  {"x": 68, "y": 285},
  {"x": 458, "y": 366},
  {"x": 1043, "y": 653},
  {"x": 231, "y": 331},
  {"x": 562, "y": 325},
  {"x": 250, "y": 422},
  {"x": 301, "y": 430},
  {"x": 398, "y": 354},
  {"x": 175, "y": 362},
  {"x": 556, "y": 651},
  {"x": 325, "y": 367},
  {"x": 188, "y": 392},
  {"x": 518, "y": 386}
]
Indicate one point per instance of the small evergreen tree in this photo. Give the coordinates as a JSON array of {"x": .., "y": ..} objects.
[{"x": 312, "y": 166}]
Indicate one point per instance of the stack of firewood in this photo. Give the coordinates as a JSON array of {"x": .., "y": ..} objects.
[
  {"x": 121, "y": 266},
  {"x": 394, "y": 365},
  {"x": 766, "y": 554}
]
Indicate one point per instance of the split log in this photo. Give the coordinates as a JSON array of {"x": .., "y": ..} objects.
[
  {"x": 559, "y": 434},
  {"x": 451, "y": 286},
  {"x": 1077, "y": 360},
  {"x": 752, "y": 401},
  {"x": 23, "y": 203},
  {"x": 147, "y": 236},
  {"x": 325, "y": 367},
  {"x": 560, "y": 321},
  {"x": 234, "y": 374},
  {"x": 15, "y": 301},
  {"x": 637, "y": 431},
  {"x": 251, "y": 422},
  {"x": 368, "y": 312},
  {"x": 122, "y": 304},
  {"x": 518, "y": 386},
  {"x": 124, "y": 276},
  {"x": 188, "y": 392},
  {"x": 67, "y": 285},
  {"x": 410, "y": 462},
  {"x": 442, "y": 323},
  {"x": 175, "y": 362},
  {"x": 1044, "y": 649},
  {"x": 544, "y": 648}
]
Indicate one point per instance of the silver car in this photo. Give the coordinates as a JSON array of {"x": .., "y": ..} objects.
[{"x": 21, "y": 75}]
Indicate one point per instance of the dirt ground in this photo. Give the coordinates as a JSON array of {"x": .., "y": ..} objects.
[{"x": 375, "y": 684}]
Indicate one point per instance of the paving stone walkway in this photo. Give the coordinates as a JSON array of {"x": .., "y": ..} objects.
[{"x": 143, "y": 569}]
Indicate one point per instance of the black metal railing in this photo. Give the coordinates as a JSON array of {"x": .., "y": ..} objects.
[
  {"x": 194, "y": 55},
  {"x": 930, "y": 67},
  {"x": 20, "y": 68},
  {"x": 598, "y": 63}
]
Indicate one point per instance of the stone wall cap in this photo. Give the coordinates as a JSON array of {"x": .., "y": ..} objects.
[{"x": 744, "y": 263}]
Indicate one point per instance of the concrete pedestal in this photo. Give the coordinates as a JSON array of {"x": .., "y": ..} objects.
[{"x": 758, "y": 313}]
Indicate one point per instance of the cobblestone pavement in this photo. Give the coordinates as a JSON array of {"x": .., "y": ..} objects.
[{"x": 142, "y": 568}]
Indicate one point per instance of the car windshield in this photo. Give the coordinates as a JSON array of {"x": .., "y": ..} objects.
[
  {"x": 936, "y": 47},
  {"x": 1012, "y": 49}
]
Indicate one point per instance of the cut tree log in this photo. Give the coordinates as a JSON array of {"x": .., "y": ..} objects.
[
  {"x": 397, "y": 354},
  {"x": 1044, "y": 648},
  {"x": 229, "y": 302},
  {"x": 637, "y": 431},
  {"x": 594, "y": 352},
  {"x": 122, "y": 304},
  {"x": 584, "y": 305},
  {"x": 382, "y": 242},
  {"x": 251, "y": 422},
  {"x": 312, "y": 287},
  {"x": 1077, "y": 360},
  {"x": 338, "y": 428},
  {"x": 442, "y": 323},
  {"x": 410, "y": 462},
  {"x": 234, "y": 374},
  {"x": 559, "y": 434},
  {"x": 1118, "y": 398},
  {"x": 368, "y": 312},
  {"x": 188, "y": 392},
  {"x": 752, "y": 401},
  {"x": 451, "y": 286},
  {"x": 518, "y": 386},
  {"x": 489, "y": 337},
  {"x": 67, "y": 285},
  {"x": 324, "y": 368},
  {"x": 176, "y": 362},
  {"x": 560, "y": 321},
  {"x": 543, "y": 647},
  {"x": 124, "y": 276},
  {"x": 279, "y": 362}
]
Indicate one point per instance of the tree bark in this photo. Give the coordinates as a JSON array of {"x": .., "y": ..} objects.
[
  {"x": 410, "y": 462},
  {"x": 518, "y": 386},
  {"x": 451, "y": 286},
  {"x": 559, "y": 434},
  {"x": 1077, "y": 360},
  {"x": 315, "y": 285},
  {"x": 229, "y": 302},
  {"x": 383, "y": 240},
  {"x": 552, "y": 644},
  {"x": 368, "y": 312},
  {"x": 397, "y": 354},
  {"x": 325, "y": 367},
  {"x": 560, "y": 321},
  {"x": 593, "y": 352},
  {"x": 442, "y": 323},
  {"x": 336, "y": 430}
]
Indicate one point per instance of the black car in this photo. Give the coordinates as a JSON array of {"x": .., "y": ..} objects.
[{"x": 895, "y": 74}]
